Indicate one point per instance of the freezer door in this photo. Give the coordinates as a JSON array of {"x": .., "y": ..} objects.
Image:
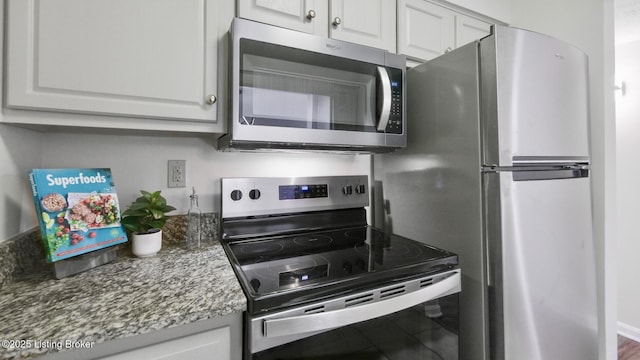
[
  {"x": 431, "y": 191},
  {"x": 542, "y": 283},
  {"x": 534, "y": 97}
]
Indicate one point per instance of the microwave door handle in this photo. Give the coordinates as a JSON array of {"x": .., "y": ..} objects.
[
  {"x": 351, "y": 315},
  {"x": 384, "y": 98}
]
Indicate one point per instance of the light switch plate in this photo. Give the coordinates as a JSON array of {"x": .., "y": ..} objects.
[{"x": 177, "y": 173}]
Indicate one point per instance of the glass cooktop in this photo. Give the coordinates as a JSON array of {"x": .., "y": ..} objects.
[{"x": 286, "y": 270}]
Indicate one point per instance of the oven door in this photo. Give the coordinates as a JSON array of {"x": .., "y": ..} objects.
[
  {"x": 416, "y": 319},
  {"x": 291, "y": 89}
]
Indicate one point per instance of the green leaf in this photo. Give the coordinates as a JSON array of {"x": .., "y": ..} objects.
[
  {"x": 138, "y": 206},
  {"x": 157, "y": 214},
  {"x": 157, "y": 224},
  {"x": 146, "y": 212},
  {"x": 142, "y": 200}
]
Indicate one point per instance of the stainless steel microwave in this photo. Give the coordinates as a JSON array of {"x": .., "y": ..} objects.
[{"x": 292, "y": 90}]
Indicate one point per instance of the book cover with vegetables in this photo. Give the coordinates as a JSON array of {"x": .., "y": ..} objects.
[{"x": 77, "y": 211}]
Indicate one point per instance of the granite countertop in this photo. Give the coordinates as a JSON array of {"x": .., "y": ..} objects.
[{"x": 127, "y": 297}]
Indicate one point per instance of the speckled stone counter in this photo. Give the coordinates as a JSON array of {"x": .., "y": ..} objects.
[{"x": 128, "y": 297}]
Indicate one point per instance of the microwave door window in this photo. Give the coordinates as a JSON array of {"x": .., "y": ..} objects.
[
  {"x": 270, "y": 107},
  {"x": 317, "y": 94}
]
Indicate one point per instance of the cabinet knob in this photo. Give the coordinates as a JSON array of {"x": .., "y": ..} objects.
[
  {"x": 311, "y": 15},
  {"x": 337, "y": 21},
  {"x": 448, "y": 49},
  {"x": 211, "y": 99}
]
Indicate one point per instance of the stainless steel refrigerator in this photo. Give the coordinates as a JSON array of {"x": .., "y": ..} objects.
[{"x": 497, "y": 170}]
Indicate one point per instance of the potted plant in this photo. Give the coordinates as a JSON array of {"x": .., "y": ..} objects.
[{"x": 145, "y": 218}]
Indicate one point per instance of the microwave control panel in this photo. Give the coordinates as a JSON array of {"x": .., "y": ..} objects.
[{"x": 394, "y": 125}]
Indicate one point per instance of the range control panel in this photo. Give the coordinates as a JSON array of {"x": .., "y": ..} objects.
[
  {"x": 290, "y": 192},
  {"x": 242, "y": 197}
]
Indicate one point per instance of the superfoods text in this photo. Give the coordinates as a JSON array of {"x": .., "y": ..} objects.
[{"x": 74, "y": 180}]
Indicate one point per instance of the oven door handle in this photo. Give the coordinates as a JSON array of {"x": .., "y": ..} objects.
[{"x": 336, "y": 318}]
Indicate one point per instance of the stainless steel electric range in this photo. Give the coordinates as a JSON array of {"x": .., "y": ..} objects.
[{"x": 320, "y": 282}]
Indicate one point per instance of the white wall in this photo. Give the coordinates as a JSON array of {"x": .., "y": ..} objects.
[
  {"x": 140, "y": 162},
  {"x": 20, "y": 151},
  {"x": 628, "y": 151},
  {"x": 588, "y": 24}
]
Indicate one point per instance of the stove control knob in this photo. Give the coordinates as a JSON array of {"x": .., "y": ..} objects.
[
  {"x": 254, "y": 194},
  {"x": 347, "y": 267},
  {"x": 255, "y": 284},
  {"x": 347, "y": 190},
  {"x": 361, "y": 189},
  {"x": 236, "y": 195}
]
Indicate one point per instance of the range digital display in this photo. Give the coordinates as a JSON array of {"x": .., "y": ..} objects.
[
  {"x": 292, "y": 192},
  {"x": 303, "y": 275}
]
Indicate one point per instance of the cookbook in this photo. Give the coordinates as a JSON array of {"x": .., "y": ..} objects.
[{"x": 77, "y": 210}]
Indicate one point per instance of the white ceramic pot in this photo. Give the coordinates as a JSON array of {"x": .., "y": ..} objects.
[{"x": 145, "y": 245}]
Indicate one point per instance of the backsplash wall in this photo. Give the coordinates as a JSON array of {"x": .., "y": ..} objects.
[
  {"x": 20, "y": 151},
  {"x": 140, "y": 162}
]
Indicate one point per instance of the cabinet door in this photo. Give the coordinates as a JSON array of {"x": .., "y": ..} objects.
[
  {"x": 497, "y": 9},
  {"x": 469, "y": 29},
  {"x": 426, "y": 30},
  {"x": 366, "y": 22},
  {"x": 212, "y": 344},
  {"x": 308, "y": 16},
  {"x": 143, "y": 58}
]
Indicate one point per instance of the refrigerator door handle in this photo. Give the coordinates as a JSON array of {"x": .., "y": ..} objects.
[
  {"x": 567, "y": 172},
  {"x": 496, "y": 168},
  {"x": 541, "y": 172},
  {"x": 576, "y": 167}
]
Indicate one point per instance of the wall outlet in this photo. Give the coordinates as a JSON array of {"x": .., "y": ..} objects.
[{"x": 177, "y": 173}]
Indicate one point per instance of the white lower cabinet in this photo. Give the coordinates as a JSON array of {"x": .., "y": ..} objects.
[
  {"x": 156, "y": 60},
  {"x": 212, "y": 344},
  {"x": 427, "y": 30},
  {"x": 219, "y": 338}
]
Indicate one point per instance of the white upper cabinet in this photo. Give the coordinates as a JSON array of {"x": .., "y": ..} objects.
[
  {"x": 469, "y": 29},
  {"x": 496, "y": 9},
  {"x": 366, "y": 22},
  {"x": 151, "y": 59},
  {"x": 308, "y": 16},
  {"x": 427, "y": 30}
]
